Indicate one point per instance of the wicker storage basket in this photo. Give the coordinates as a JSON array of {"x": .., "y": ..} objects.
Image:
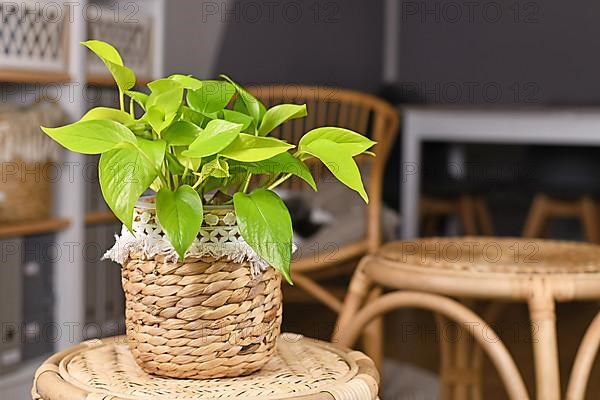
[
  {"x": 34, "y": 35},
  {"x": 205, "y": 317},
  {"x": 24, "y": 191},
  {"x": 25, "y": 162}
]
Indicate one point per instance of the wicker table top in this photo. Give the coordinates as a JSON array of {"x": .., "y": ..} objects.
[
  {"x": 302, "y": 369},
  {"x": 496, "y": 255},
  {"x": 489, "y": 267}
]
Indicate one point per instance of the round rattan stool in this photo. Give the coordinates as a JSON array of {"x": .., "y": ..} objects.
[
  {"x": 302, "y": 369},
  {"x": 428, "y": 273}
]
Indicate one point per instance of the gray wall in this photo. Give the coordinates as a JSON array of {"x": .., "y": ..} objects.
[
  {"x": 193, "y": 35},
  {"x": 488, "y": 52},
  {"x": 541, "y": 51},
  {"x": 304, "y": 41}
]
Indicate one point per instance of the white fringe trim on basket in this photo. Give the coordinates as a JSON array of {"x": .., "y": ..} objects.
[{"x": 150, "y": 246}]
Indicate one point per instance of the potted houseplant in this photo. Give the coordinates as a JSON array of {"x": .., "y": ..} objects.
[{"x": 203, "y": 258}]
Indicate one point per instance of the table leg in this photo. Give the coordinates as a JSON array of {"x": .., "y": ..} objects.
[
  {"x": 373, "y": 339},
  {"x": 584, "y": 361},
  {"x": 481, "y": 331},
  {"x": 545, "y": 348},
  {"x": 410, "y": 175}
]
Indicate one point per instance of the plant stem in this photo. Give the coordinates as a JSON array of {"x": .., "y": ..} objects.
[
  {"x": 122, "y": 100},
  {"x": 198, "y": 182},
  {"x": 247, "y": 182},
  {"x": 279, "y": 181},
  {"x": 131, "y": 108}
]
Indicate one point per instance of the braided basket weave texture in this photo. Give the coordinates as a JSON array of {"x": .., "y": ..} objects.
[{"x": 206, "y": 317}]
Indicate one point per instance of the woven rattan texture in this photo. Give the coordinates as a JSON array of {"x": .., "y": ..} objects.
[
  {"x": 300, "y": 367},
  {"x": 495, "y": 255},
  {"x": 26, "y": 156},
  {"x": 203, "y": 318},
  {"x": 25, "y": 192}
]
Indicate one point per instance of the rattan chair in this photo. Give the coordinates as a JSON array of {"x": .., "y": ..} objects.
[
  {"x": 565, "y": 186},
  {"x": 349, "y": 109},
  {"x": 432, "y": 273}
]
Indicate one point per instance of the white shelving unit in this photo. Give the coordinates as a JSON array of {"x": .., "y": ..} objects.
[
  {"x": 69, "y": 215},
  {"x": 69, "y": 198},
  {"x": 70, "y": 218}
]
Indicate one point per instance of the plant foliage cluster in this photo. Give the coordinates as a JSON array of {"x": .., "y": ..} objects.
[{"x": 200, "y": 142}]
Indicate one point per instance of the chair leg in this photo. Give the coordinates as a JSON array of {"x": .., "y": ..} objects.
[
  {"x": 373, "y": 338},
  {"x": 536, "y": 219},
  {"x": 446, "y": 360},
  {"x": 590, "y": 219},
  {"x": 467, "y": 215},
  {"x": 318, "y": 292},
  {"x": 484, "y": 216},
  {"x": 358, "y": 289},
  {"x": 460, "y": 374},
  {"x": 430, "y": 225}
]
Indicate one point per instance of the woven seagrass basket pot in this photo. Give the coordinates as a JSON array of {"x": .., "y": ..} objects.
[{"x": 205, "y": 317}]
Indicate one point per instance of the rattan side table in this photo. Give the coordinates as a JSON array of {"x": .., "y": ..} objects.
[
  {"x": 432, "y": 273},
  {"x": 303, "y": 369}
]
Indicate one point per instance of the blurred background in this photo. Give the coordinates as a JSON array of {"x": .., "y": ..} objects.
[{"x": 444, "y": 63}]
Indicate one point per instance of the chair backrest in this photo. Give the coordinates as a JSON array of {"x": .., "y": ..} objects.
[{"x": 360, "y": 112}]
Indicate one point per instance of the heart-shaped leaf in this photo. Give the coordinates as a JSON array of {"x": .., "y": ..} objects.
[
  {"x": 168, "y": 102},
  {"x": 126, "y": 172},
  {"x": 196, "y": 118},
  {"x": 217, "y": 135},
  {"x": 180, "y": 215},
  {"x": 157, "y": 119},
  {"x": 192, "y": 163},
  {"x": 213, "y": 96},
  {"x": 181, "y": 133},
  {"x": 112, "y": 114},
  {"x": 340, "y": 162},
  {"x": 187, "y": 81},
  {"x": 124, "y": 77},
  {"x": 353, "y": 142},
  {"x": 251, "y": 105},
  {"x": 216, "y": 168},
  {"x": 250, "y": 148},
  {"x": 91, "y": 137},
  {"x": 279, "y": 114},
  {"x": 238, "y": 118},
  {"x": 281, "y": 163},
  {"x": 162, "y": 85},
  {"x": 265, "y": 224}
]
